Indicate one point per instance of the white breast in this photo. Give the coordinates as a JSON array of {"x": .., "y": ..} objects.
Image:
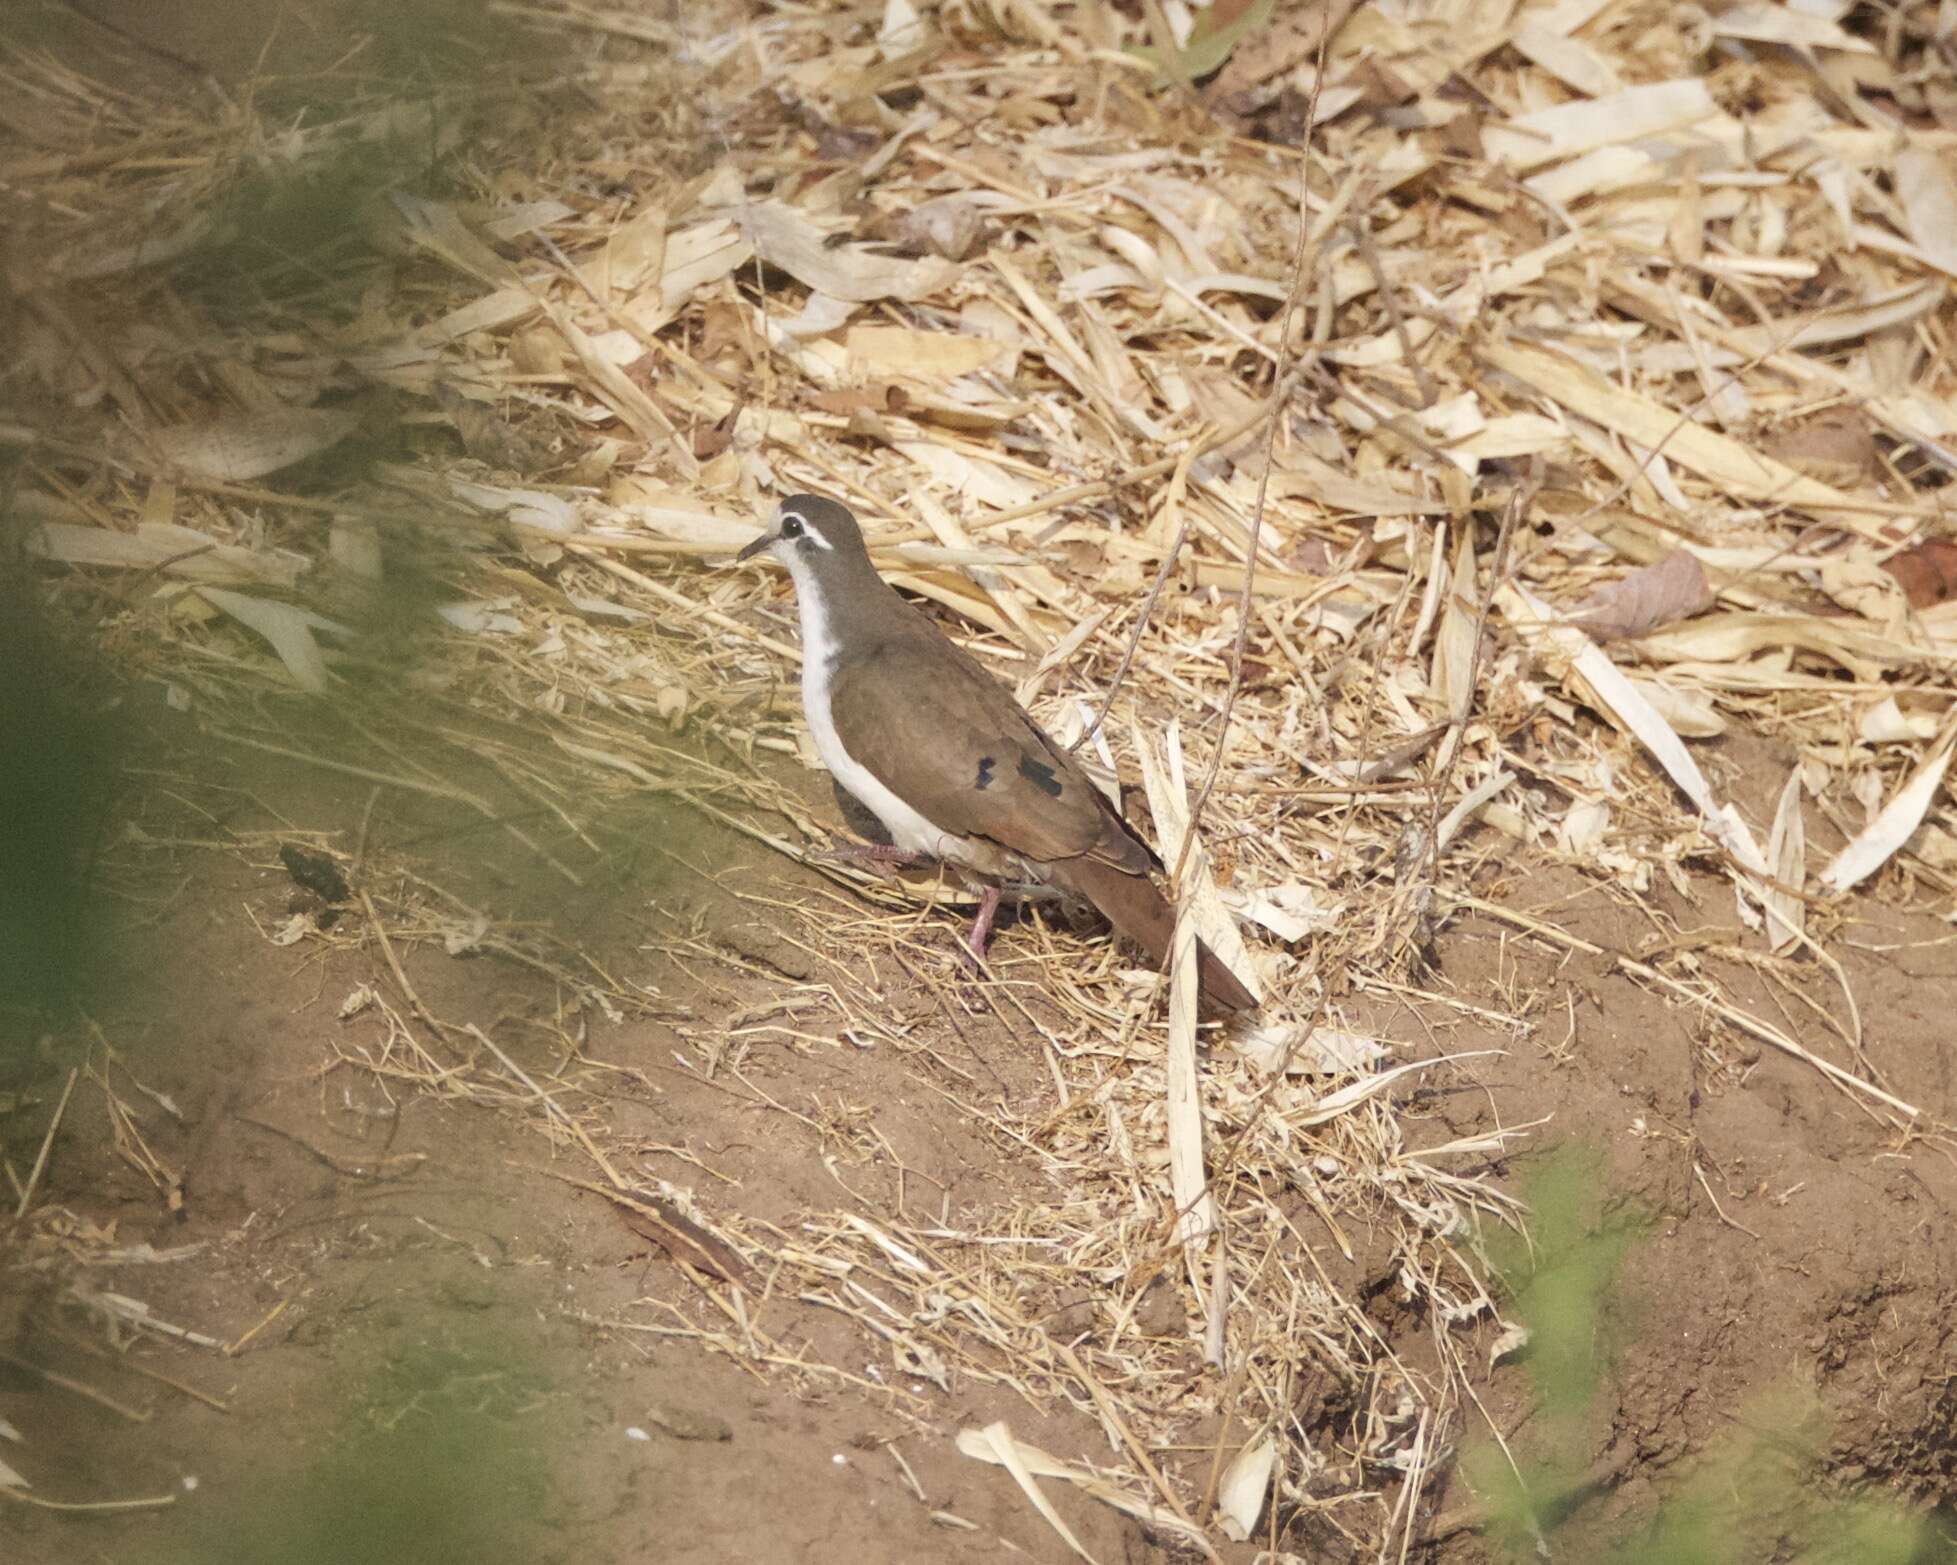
[{"x": 908, "y": 829}]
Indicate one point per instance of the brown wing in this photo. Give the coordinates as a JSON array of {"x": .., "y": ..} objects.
[{"x": 943, "y": 735}]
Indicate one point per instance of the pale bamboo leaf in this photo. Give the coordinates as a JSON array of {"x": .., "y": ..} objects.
[
  {"x": 995, "y": 1443},
  {"x": 286, "y": 626},
  {"x": 1323, "y": 1051},
  {"x": 1929, "y": 195},
  {"x": 1787, "y": 855},
  {"x": 1240, "y": 1496},
  {"x": 785, "y": 238},
  {"x": 1894, "y": 825}
]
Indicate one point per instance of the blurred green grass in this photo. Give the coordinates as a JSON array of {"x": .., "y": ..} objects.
[
  {"x": 1754, "y": 1495},
  {"x": 431, "y": 1459},
  {"x": 61, "y": 743}
]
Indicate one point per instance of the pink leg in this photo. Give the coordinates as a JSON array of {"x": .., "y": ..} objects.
[{"x": 982, "y": 925}]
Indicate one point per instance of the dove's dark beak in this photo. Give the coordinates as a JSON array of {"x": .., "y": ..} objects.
[{"x": 758, "y": 546}]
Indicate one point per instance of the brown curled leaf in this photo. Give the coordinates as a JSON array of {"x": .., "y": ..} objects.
[
  {"x": 655, "y": 1218},
  {"x": 1927, "y": 573},
  {"x": 1673, "y": 588}
]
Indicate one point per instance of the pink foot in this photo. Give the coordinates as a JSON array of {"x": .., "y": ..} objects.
[{"x": 975, "y": 942}]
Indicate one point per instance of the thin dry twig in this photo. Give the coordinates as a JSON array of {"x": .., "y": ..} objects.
[{"x": 47, "y": 1145}]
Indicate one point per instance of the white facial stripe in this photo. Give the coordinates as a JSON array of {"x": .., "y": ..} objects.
[
  {"x": 814, "y": 537},
  {"x": 783, "y": 512}
]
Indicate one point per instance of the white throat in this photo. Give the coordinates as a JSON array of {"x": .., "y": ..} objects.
[{"x": 820, "y": 651}]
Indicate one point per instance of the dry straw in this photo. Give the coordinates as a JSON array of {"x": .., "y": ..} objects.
[{"x": 1580, "y": 391}]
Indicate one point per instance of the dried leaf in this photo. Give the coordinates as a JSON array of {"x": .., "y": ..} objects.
[
  {"x": 286, "y": 626},
  {"x": 244, "y": 446},
  {"x": 1511, "y": 1341},
  {"x": 1837, "y": 448},
  {"x": 164, "y": 546},
  {"x": 1168, "y": 795},
  {"x": 695, "y": 257},
  {"x": 1583, "y": 826},
  {"x": 1290, "y": 911},
  {"x": 1787, "y": 857},
  {"x": 491, "y": 618},
  {"x": 1613, "y": 693},
  {"x": 1789, "y": 26},
  {"x": 1887, "y": 723},
  {"x": 618, "y": 391},
  {"x": 1346, "y": 1098},
  {"x": 1531, "y": 140},
  {"x": 655, "y": 1218},
  {"x": 1240, "y": 1495},
  {"x": 1294, "y": 39},
  {"x": 1183, "y": 1098},
  {"x": 1219, "y": 29},
  {"x": 1857, "y": 583},
  {"x": 1844, "y": 323},
  {"x": 1885, "y": 836},
  {"x": 1321, "y": 1051},
  {"x": 493, "y": 312},
  {"x": 528, "y": 507},
  {"x": 1454, "y": 641},
  {"x": 921, "y": 355},
  {"x": 901, "y": 32},
  {"x": 785, "y": 238},
  {"x": 661, "y": 511},
  {"x": 1927, "y": 573},
  {"x": 1577, "y": 64},
  {"x": 1690, "y": 714},
  {"x": 1928, "y": 192},
  {"x": 1737, "y": 468},
  {"x": 1672, "y": 588},
  {"x": 633, "y": 255},
  {"x": 995, "y": 1444},
  {"x": 438, "y": 228},
  {"x": 1731, "y": 637}
]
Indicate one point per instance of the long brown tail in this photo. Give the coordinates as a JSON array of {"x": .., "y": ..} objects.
[{"x": 1134, "y": 906}]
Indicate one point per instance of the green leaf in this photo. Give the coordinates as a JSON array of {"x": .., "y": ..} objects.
[{"x": 1210, "y": 43}]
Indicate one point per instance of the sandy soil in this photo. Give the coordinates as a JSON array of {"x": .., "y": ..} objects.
[
  {"x": 419, "y": 1301},
  {"x": 424, "y": 1300}
]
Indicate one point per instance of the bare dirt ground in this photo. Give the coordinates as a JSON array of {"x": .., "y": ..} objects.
[
  {"x": 424, "y": 1302},
  {"x": 421, "y": 1316}
]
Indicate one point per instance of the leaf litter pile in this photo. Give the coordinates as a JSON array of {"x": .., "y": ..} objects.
[{"x": 1386, "y": 439}]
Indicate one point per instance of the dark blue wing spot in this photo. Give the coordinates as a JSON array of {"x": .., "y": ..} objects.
[
  {"x": 984, "y": 773},
  {"x": 1040, "y": 775}
]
